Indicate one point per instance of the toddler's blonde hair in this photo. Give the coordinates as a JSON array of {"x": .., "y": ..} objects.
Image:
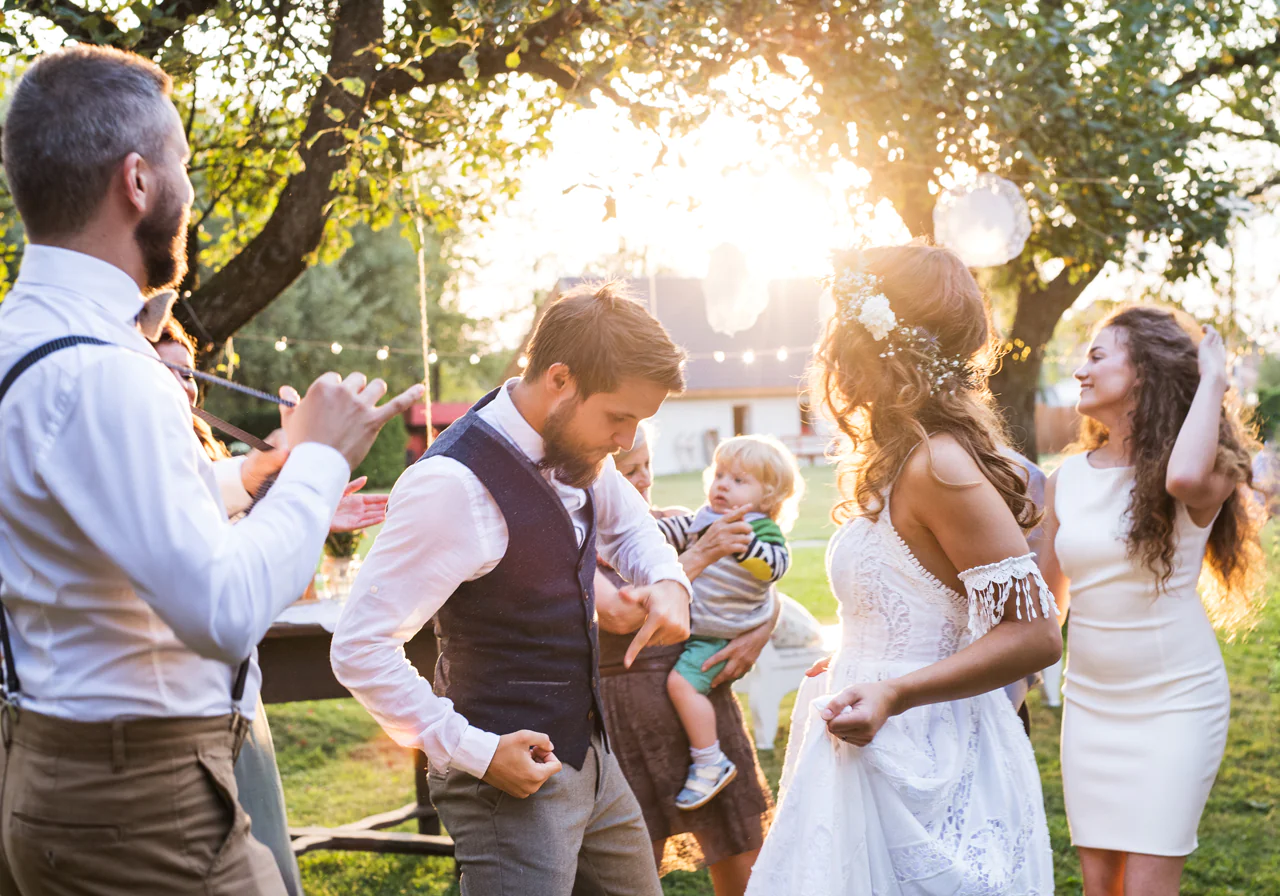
[{"x": 767, "y": 459}]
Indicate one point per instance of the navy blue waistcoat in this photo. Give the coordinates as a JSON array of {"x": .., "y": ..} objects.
[{"x": 518, "y": 646}]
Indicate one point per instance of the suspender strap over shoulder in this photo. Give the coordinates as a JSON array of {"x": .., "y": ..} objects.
[
  {"x": 39, "y": 353},
  {"x": 11, "y": 684}
]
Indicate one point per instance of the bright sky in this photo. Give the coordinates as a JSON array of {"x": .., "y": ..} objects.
[
  {"x": 722, "y": 184},
  {"x": 719, "y": 185}
]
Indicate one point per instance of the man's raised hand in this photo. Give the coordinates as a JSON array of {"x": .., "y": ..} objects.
[{"x": 344, "y": 414}]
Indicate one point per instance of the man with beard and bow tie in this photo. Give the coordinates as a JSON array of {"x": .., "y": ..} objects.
[
  {"x": 495, "y": 533},
  {"x": 131, "y": 606}
]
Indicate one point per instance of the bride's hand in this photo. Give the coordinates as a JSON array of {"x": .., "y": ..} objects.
[
  {"x": 869, "y": 707},
  {"x": 818, "y": 668}
]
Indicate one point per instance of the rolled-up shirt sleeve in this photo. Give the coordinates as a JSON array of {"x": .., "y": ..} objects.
[
  {"x": 628, "y": 536},
  {"x": 431, "y": 543},
  {"x": 154, "y": 513},
  {"x": 231, "y": 485}
]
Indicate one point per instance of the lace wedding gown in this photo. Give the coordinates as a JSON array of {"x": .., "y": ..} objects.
[{"x": 946, "y": 798}]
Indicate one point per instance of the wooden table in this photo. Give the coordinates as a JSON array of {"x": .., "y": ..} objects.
[{"x": 295, "y": 666}]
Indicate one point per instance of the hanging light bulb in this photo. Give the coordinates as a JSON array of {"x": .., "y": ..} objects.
[
  {"x": 782, "y": 354},
  {"x": 748, "y": 356},
  {"x": 384, "y": 353},
  {"x": 522, "y": 362},
  {"x": 336, "y": 348},
  {"x": 475, "y": 359},
  {"x": 281, "y": 344},
  {"x": 719, "y": 356},
  {"x": 432, "y": 358}
]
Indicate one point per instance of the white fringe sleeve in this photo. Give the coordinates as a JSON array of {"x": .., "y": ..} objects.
[{"x": 992, "y": 587}]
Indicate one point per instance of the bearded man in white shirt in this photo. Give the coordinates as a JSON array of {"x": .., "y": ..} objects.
[
  {"x": 132, "y": 603},
  {"x": 495, "y": 533}
]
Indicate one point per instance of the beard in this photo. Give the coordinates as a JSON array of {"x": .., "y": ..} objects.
[
  {"x": 162, "y": 238},
  {"x": 567, "y": 460}
]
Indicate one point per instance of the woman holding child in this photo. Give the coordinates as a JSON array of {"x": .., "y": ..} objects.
[
  {"x": 907, "y": 770},
  {"x": 646, "y": 733}
]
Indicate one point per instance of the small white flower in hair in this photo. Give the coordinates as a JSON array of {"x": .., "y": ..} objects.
[{"x": 876, "y": 315}]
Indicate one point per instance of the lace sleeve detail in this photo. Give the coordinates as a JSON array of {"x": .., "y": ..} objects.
[{"x": 992, "y": 587}]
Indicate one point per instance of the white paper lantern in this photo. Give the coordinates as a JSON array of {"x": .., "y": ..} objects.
[
  {"x": 735, "y": 297},
  {"x": 985, "y": 222}
]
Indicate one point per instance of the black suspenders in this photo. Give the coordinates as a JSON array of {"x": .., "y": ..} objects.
[{"x": 11, "y": 684}]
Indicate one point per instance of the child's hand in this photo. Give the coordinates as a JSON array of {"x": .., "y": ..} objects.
[{"x": 818, "y": 668}]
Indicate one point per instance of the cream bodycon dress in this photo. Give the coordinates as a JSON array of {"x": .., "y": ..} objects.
[{"x": 1146, "y": 701}]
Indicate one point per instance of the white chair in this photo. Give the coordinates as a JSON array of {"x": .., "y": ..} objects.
[
  {"x": 777, "y": 673},
  {"x": 798, "y": 642},
  {"x": 1051, "y": 684}
]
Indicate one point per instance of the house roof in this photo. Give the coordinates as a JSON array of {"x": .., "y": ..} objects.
[{"x": 791, "y": 320}]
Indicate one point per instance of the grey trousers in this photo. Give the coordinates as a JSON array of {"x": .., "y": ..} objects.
[
  {"x": 584, "y": 821},
  {"x": 262, "y": 797}
]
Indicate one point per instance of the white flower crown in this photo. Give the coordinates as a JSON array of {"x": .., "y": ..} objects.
[{"x": 860, "y": 300}]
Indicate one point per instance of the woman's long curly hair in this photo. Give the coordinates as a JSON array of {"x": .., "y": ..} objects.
[
  {"x": 1163, "y": 349},
  {"x": 886, "y": 404}
]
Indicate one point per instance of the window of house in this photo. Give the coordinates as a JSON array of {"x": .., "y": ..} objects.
[{"x": 741, "y": 419}]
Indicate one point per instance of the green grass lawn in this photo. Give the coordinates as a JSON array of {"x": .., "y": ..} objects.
[{"x": 338, "y": 766}]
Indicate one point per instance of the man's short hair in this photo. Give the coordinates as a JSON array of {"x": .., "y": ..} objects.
[
  {"x": 604, "y": 337},
  {"x": 74, "y": 116}
]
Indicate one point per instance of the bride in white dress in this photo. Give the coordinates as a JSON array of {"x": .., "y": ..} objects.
[{"x": 908, "y": 771}]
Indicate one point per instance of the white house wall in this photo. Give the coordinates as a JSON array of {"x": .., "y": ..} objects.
[{"x": 681, "y": 424}]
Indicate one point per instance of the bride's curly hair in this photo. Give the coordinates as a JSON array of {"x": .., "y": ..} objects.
[
  {"x": 887, "y": 402},
  {"x": 1163, "y": 348}
]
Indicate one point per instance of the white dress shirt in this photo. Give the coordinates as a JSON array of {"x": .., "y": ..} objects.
[
  {"x": 129, "y": 593},
  {"x": 443, "y": 528},
  {"x": 228, "y": 474}
]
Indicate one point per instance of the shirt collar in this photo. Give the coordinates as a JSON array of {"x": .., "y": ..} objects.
[
  {"x": 87, "y": 277},
  {"x": 507, "y": 415}
]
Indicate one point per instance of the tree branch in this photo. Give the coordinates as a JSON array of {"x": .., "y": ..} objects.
[
  {"x": 1267, "y": 54},
  {"x": 146, "y": 40},
  {"x": 278, "y": 254},
  {"x": 445, "y": 64},
  {"x": 1258, "y": 191}
]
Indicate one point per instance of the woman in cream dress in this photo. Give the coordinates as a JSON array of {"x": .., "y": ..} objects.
[{"x": 1130, "y": 524}]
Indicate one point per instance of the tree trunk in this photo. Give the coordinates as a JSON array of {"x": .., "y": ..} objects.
[
  {"x": 278, "y": 254},
  {"x": 1039, "y": 308},
  {"x": 1015, "y": 385}
]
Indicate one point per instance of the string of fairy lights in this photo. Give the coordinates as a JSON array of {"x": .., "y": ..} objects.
[
  {"x": 384, "y": 352},
  {"x": 1014, "y": 351}
]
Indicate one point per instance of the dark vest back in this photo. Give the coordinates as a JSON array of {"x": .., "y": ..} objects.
[{"x": 518, "y": 646}]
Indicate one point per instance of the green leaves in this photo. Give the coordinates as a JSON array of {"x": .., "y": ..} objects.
[
  {"x": 444, "y": 37},
  {"x": 354, "y": 86},
  {"x": 470, "y": 65}
]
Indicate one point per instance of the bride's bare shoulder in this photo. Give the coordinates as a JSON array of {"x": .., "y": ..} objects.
[{"x": 941, "y": 462}]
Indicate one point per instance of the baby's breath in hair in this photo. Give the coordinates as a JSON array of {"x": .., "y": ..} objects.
[{"x": 861, "y": 300}]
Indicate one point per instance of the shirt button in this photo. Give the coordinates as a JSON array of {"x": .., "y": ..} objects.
[{"x": 373, "y": 589}]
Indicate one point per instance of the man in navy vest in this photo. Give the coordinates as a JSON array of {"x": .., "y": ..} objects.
[{"x": 496, "y": 533}]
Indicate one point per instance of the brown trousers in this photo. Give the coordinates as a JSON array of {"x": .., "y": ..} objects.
[{"x": 125, "y": 809}]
